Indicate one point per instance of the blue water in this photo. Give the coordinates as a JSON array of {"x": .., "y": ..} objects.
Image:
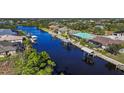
[{"x": 67, "y": 58}]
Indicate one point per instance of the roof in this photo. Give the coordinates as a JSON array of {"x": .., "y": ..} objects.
[
  {"x": 63, "y": 29},
  {"x": 105, "y": 41},
  {"x": 7, "y": 46},
  {"x": 6, "y": 43},
  {"x": 7, "y": 32},
  {"x": 10, "y": 38},
  {"x": 53, "y": 27}
]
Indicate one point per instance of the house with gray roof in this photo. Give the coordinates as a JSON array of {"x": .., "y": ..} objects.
[
  {"x": 7, "y": 48},
  {"x": 63, "y": 30},
  {"x": 7, "y": 32}
]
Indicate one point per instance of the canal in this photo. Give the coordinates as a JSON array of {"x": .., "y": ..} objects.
[{"x": 68, "y": 58}]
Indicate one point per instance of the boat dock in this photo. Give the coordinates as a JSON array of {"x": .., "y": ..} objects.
[{"x": 110, "y": 60}]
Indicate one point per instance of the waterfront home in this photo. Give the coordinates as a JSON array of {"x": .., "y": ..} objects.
[
  {"x": 104, "y": 42},
  {"x": 118, "y": 35},
  {"x": 7, "y": 48},
  {"x": 7, "y": 32},
  {"x": 54, "y": 28},
  {"x": 62, "y": 30},
  {"x": 11, "y": 38}
]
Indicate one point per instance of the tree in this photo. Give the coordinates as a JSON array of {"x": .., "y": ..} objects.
[
  {"x": 35, "y": 63},
  {"x": 114, "y": 49}
]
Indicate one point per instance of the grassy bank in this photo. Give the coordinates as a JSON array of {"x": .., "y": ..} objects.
[
  {"x": 119, "y": 57},
  {"x": 44, "y": 29},
  {"x": 2, "y": 59}
]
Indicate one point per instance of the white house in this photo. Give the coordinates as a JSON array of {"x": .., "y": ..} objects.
[{"x": 118, "y": 35}]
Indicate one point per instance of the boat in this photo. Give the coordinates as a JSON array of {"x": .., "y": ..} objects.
[
  {"x": 33, "y": 39},
  {"x": 28, "y": 35}
]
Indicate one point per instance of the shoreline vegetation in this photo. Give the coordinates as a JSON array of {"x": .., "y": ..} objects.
[
  {"x": 32, "y": 63},
  {"x": 44, "y": 29},
  {"x": 27, "y": 62}
]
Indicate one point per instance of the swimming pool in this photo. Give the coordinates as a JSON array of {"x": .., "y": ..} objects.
[{"x": 84, "y": 35}]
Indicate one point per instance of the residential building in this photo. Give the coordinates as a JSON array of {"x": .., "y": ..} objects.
[
  {"x": 7, "y": 32},
  {"x": 7, "y": 48},
  {"x": 53, "y": 27},
  {"x": 12, "y": 38},
  {"x": 118, "y": 35},
  {"x": 62, "y": 30},
  {"x": 104, "y": 42}
]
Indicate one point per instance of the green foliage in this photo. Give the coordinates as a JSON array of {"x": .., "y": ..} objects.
[
  {"x": 21, "y": 33},
  {"x": 114, "y": 49},
  {"x": 91, "y": 45},
  {"x": 26, "y": 42},
  {"x": 99, "y": 31},
  {"x": 2, "y": 59},
  {"x": 104, "y": 52},
  {"x": 83, "y": 42},
  {"x": 34, "y": 63},
  {"x": 42, "y": 65},
  {"x": 51, "y": 63},
  {"x": 7, "y": 26},
  {"x": 61, "y": 73}
]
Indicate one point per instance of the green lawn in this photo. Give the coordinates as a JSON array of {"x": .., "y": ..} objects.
[
  {"x": 2, "y": 59},
  {"x": 119, "y": 57},
  {"x": 44, "y": 29}
]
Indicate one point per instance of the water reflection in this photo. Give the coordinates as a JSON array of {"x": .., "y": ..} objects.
[
  {"x": 110, "y": 66},
  {"x": 67, "y": 46},
  {"x": 64, "y": 71}
]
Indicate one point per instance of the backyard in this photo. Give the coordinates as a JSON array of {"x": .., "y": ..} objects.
[{"x": 119, "y": 57}]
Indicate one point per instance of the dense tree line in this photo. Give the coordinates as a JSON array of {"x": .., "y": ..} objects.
[{"x": 84, "y": 25}]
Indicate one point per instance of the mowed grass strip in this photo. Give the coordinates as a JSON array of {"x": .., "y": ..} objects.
[{"x": 119, "y": 57}]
